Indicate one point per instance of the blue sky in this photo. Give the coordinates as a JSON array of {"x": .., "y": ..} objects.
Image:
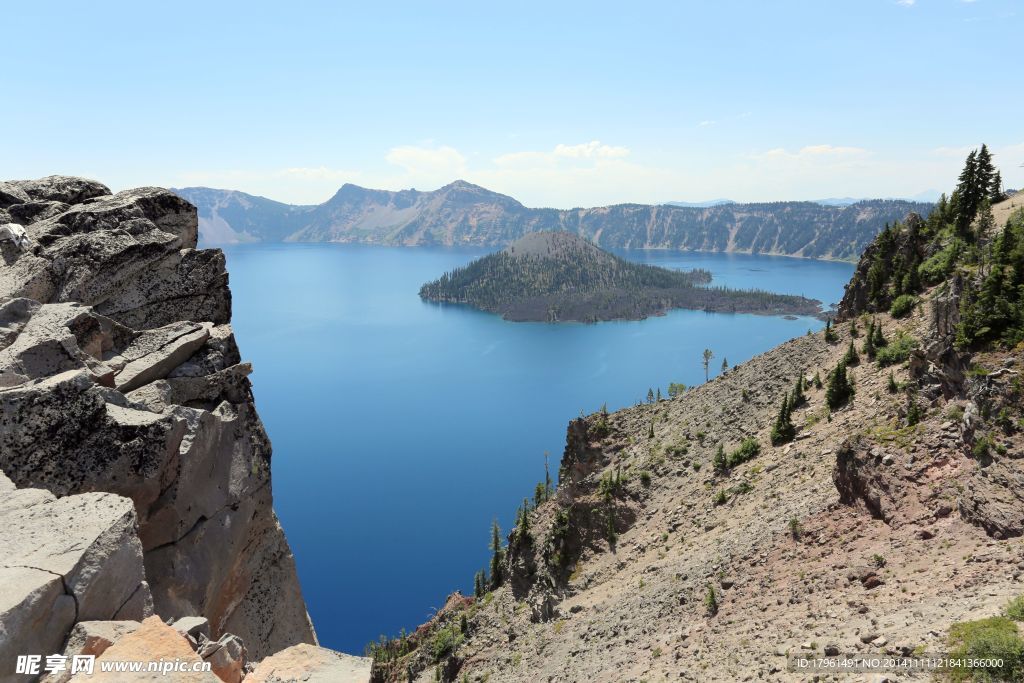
[{"x": 556, "y": 103}]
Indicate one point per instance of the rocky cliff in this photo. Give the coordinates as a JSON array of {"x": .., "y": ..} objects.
[
  {"x": 688, "y": 540},
  {"x": 465, "y": 214},
  {"x": 128, "y": 431}
]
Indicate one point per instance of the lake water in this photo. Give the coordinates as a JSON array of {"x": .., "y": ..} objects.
[{"x": 402, "y": 428}]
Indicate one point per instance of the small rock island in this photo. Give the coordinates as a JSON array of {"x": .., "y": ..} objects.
[{"x": 561, "y": 277}]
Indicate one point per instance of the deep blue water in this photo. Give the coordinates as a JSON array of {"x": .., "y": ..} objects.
[{"x": 402, "y": 428}]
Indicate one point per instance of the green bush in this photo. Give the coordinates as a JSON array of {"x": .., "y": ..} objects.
[
  {"x": 1015, "y": 609},
  {"x": 445, "y": 641},
  {"x": 896, "y": 351},
  {"x": 749, "y": 448},
  {"x": 902, "y": 305},
  {"x": 993, "y": 638}
]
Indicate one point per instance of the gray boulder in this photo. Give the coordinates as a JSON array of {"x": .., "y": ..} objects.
[{"x": 65, "y": 560}]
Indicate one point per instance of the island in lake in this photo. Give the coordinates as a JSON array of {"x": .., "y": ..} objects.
[{"x": 560, "y": 277}]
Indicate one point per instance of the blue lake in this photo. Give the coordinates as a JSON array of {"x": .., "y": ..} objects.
[{"x": 402, "y": 428}]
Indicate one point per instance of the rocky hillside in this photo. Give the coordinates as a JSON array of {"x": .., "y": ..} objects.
[
  {"x": 855, "y": 491},
  {"x": 559, "y": 277},
  {"x": 466, "y": 214},
  {"x": 135, "y": 469}
]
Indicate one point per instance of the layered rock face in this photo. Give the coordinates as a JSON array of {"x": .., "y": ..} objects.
[{"x": 122, "y": 392}]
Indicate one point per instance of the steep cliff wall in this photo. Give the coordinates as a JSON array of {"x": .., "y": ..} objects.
[{"x": 119, "y": 373}]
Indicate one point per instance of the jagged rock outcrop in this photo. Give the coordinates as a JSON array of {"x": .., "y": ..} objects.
[
  {"x": 62, "y": 561},
  {"x": 876, "y": 264},
  {"x": 119, "y": 373},
  {"x": 152, "y": 641},
  {"x": 309, "y": 664}
]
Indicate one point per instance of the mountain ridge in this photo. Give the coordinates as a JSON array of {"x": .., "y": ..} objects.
[{"x": 464, "y": 214}]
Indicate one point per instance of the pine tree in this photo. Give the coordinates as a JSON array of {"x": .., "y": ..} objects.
[
  {"x": 480, "y": 583},
  {"x": 854, "y": 330},
  {"x": 798, "y": 398},
  {"x": 707, "y": 356},
  {"x": 725, "y": 364},
  {"x": 869, "y": 341},
  {"x": 830, "y": 334},
  {"x": 965, "y": 199},
  {"x": 913, "y": 410},
  {"x": 719, "y": 462},
  {"x": 891, "y": 385},
  {"x": 498, "y": 558},
  {"x": 817, "y": 380},
  {"x": 650, "y": 432},
  {"x": 783, "y": 430},
  {"x": 985, "y": 173},
  {"x": 996, "y": 191},
  {"x": 650, "y": 395},
  {"x": 839, "y": 389},
  {"x": 658, "y": 396},
  {"x": 879, "y": 340},
  {"x": 711, "y": 601},
  {"x": 547, "y": 472},
  {"x": 851, "y": 357}
]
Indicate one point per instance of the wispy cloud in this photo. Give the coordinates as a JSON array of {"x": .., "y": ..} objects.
[
  {"x": 590, "y": 150},
  {"x": 813, "y": 152},
  {"x": 593, "y": 151},
  {"x": 427, "y": 160},
  {"x": 906, "y": 3}
]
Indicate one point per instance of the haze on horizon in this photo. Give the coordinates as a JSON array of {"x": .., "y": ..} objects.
[{"x": 561, "y": 105}]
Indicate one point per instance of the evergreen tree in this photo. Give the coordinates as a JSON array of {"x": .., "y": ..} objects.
[
  {"x": 711, "y": 601},
  {"x": 891, "y": 385},
  {"x": 719, "y": 462},
  {"x": 913, "y": 410},
  {"x": 480, "y": 583},
  {"x": 650, "y": 395},
  {"x": 879, "y": 340},
  {"x": 658, "y": 397},
  {"x": 798, "y": 398},
  {"x": 869, "y": 341},
  {"x": 985, "y": 173},
  {"x": 707, "y": 355},
  {"x": 547, "y": 472},
  {"x": 817, "y": 380},
  {"x": 965, "y": 197},
  {"x": 839, "y": 389},
  {"x": 851, "y": 357},
  {"x": 783, "y": 430},
  {"x": 996, "y": 191},
  {"x": 854, "y": 330},
  {"x": 725, "y": 364},
  {"x": 830, "y": 334},
  {"x": 498, "y": 558}
]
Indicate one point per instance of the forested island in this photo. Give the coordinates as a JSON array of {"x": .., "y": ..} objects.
[{"x": 560, "y": 277}]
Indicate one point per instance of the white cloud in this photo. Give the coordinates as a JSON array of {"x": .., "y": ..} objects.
[
  {"x": 906, "y": 3},
  {"x": 428, "y": 160},
  {"x": 708, "y": 122},
  {"x": 590, "y": 150},
  {"x": 813, "y": 152}
]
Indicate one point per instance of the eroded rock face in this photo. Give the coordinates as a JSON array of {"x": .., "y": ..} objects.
[
  {"x": 62, "y": 561},
  {"x": 120, "y": 374},
  {"x": 131, "y": 255}
]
